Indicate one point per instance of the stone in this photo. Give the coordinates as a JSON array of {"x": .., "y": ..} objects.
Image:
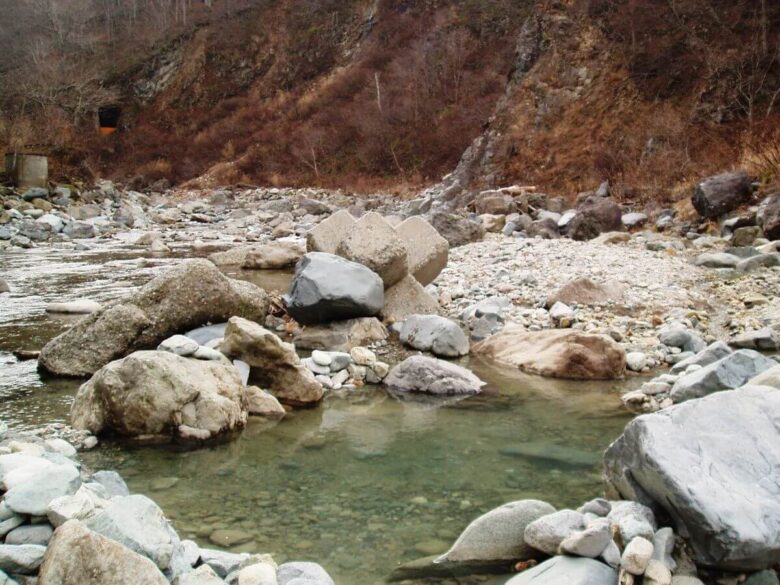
[
  {"x": 717, "y": 260},
  {"x": 492, "y": 223},
  {"x": 632, "y": 220},
  {"x": 769, "y": 377},
  {"x": 340, "y": 336},
  {"x": 262, "y": 403},
  {"x": 636, "y": 361},
  {"x": 546, "y": 229},
  {"x": 23, "y": 559},
  {"x": 186, "y": 296},
  {"x": 568, "y": 571},
  {"x": 494, "y": 202},
  {"x": 33, "y": 495},
  {"x": 728, "y": 373},
  {"x": 716, "y": 196},
  {"x": 179, "y": 345},
  {"x": 206, "y": 353},
  {"x": 406, "y": 298},
  {"x": 583, "y": 291},
  {"x": 112, "y": 482},
  {"x": 589, "y": 542},
  {"x": 223, "y": 563},
  {"x": 436, "y": 334},
  {"x": 139, "y": 524},
  {"x": 632, "y": 519},
  {"x": 766, "y": 577},
  {"x": 637, "y": 555},
  {"x": 329, "y": 288},
  {"x": 562, "y": 315},
  {"x": 763, "y": 340},
  {"x": 362, "y": 356},
  {"x": 275, "y": 256},
  {"x": 427, "y": 250},
  {"x": 432, "y": 376},
  {"x": 54, "y": 222},
  {"x": 161, "y": 394},
  {"x": 756, "y": 262},
  {"x": 745, "y": 236},
  {"x": 79, "y": 230},
  {"x": 4, "y": 286},
  {"x": 328, "y": 234},
  {"x": 456, "y": 229},
  {"x": 683, "y": 338},
  {"x": 548, "y": 532},
  {"x": 372, "y": 242},
  {"x": 78, "y": 556},
  {"x": 770, "y": 221},
  {"x": 79, "y": 506},
  {"x": 656, "y": 573},
  {"x": 275, "y": 364},
  {"x": 711, "y": 354},
  {"x": 715, "y": 485},
  {"x": 298, "y": 573},
  {"x": 498, "y": 534},
  {"x": 597, "y": 506},
  {"x": 39, "y": 534},
  {"x": 203, "y": 575},
  {"x": 556, "y": 353},
  {"x": 208, "y": 333},
  {"x": 612, "y": 238},
  {"x": 258, "y": 574},
  {"x": 595, "y": 216},
  {"x": 663, "y": 547}
]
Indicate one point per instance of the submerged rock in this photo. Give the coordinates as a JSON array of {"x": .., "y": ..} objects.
[
  {"x": 189, "y": 295},
  {"x": 432, "y": 376}
]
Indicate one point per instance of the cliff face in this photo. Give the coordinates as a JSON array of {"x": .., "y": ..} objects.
[{"x": 364, "y": 94}]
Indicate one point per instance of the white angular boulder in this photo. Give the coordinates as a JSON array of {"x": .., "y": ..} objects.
[
  {"x": 373, "y": 242},
  {"x": 428, "y": 251}
]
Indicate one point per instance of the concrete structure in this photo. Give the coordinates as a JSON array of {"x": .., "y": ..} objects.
[{"x": 27, "y": 170}]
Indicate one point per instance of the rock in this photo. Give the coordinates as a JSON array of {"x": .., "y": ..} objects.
[
  {"x": 54, "y": 222},
  {"x": 233, "y": 257},
  {"x": 158, "y": 393},
  {"x": 767, "y": 577},
  {"x": 33, "y": 495},
  {"x": 632, "y": 519},
  {"x": 636, "y": 361},
  {"x": 597, "y": 506},
  {"x": 274, "y": 256},
  {"x": 297, "y": 573},
  {"x": 189, "y": 295},
  {"x": 562, "y": 315},
  {"x": 770, "y": 222},
  {"x": 406, "y": 298},
  {"x": 328, "y": 234},
  {"x": 203, "y": 575},
  {"x": 492, "y": 223},
  {"x": 656, "y": 573},
  {"x": 756, "y": 262},
  {"x": 457, "y": 230},
  {"x": 372, "y": 242},
  {"x": 39, "y": 534},
  {"x": 79, "y": 230},
  {"x": 663, "y": 547},
  {"x": 275, "y": 364},
  {"x": 78, "y": 556},
  {"x": 728, "y": 373},
  {"x": 770, "y": 377},
  {"x": 436, "y": 334},
  {"x": 432, "y": 376},
  {"x": 763, "y": 340},
  {"x": 590, "y": 542},
  {"x": 714, "y": 484},
  {"x": 258, "y": 574},
  {"x": 637, "y": 555},
  {"x": 498, "y": 535},
  {"x": 546, "y": 229},
  {"x": 340, "y": 335},
  {"x": 745, "y": 236},
  {"x": 717, "y": 260},
  {"x": 716, "y": 196},
  {"x": 494, "y": 202},
  {"x": 23, "y": 559},
  {"x": 548, "y": 532},
  {"x": 632, "y": 220},
  {"x": 568, "y": 571},
  {"x": 4, "y": 286},
  {"x": 206, "y": 353},
  {"x": 583, "y": 291},
  {"x": 707, "y": 356},
  {"x": 208, "y": 333},
  {"x": 79, "y": 506},
  {"x": 682, "y": 338},
  {"x": 179, "y": 345},
  {"x": 612, "y": 238},
  {"x": 427, "y": 250},
  {"x": 556, "y": 353},
  {"x": 139, "y": 524},
  {"x": 261, "y": 403},
  {"x": 595, "y": 216},
  {"x": 686, "y": 580},
  {"x": 329, "y": 288},
  {"x": 223, "y": 563},
  {"x": 112, "y": 482}
]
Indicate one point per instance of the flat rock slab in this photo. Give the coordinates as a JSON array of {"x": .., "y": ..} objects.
[{"x": 713, "y": 465}]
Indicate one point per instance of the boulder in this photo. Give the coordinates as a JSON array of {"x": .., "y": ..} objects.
[
  {"x": 595, "y": 216},
  {"x": 262, "y": 403},
  {"x": 275, "y": 365},
  {"x": 432, "y": 376},
  {"x": 730, "y": 372},
  {"x": 568, "y": 571},
  {"x": 589, "y": 542},
  {"x": 273, "y": 256},
  {"x": 223, "y": 563},
  {"x": 436, "y": 334},
  {"x": 763, "y": 340},
  {"x": 328, "y": 234},
  {"x": 340, "y": 335},
  {"x": 548, "y": 532},
  {"x": 456, "y": 229},
  {"x": 329, "y": 288},
  {"x": 717, "y": 260},
  {"x": 408, "y": 297},
  {"x": 498, "y": 535},
  {"x": 709, "y": 355},
  {"x": 556, "y": 353},
  {"x": 78, "y": 556},
  {"x": 636, "y": 556},
  {"x": 632, "y": 519},
  {"x": 79, "y": 307},
  {"x": 770, "y": 377},
  {"x": 427, "y": 250},
  {"x": 22, "y": 559},
  {"x": 546, "y": 229},
  {"x": 716, "y": 196},
  {"x": 34, "y": 493},
  {"x": 493, "y": 223},
  {"x": 79, "y": 230},
  {"x": 711, "y": 464},
  {"x": 203, "y": 575},
  {"x": 583, "y": 291},
  {"x": 494, "y": 202},
  {"x": 770, "y": 221},
  {"x": 189, "y": 295},
  {"x": 298, "y": 573},
  {"x": 162, "y": 394},
  {"x": 39, "y": 534},
  {"x": 372, "y": 242}
]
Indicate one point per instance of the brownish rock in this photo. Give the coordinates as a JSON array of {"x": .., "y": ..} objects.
[{"x": 583, "y": 291}]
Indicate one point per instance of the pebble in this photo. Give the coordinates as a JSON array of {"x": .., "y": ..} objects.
[{"x": 637, "y": 555}]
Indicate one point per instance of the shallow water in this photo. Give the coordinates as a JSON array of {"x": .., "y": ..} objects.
[{"x": 361, "y": 484}]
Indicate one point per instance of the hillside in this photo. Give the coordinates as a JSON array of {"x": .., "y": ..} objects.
[{"x": 389, "y": 94}]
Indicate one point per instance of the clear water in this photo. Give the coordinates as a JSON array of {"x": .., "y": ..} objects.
[{"x": 361, "y": 484}]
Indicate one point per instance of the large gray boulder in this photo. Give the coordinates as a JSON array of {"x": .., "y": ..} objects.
[
  {"x": 720, "y": 194},
  {"x": 78, "y": 556},
  {"x": 436, "y": 334},
  {"x": 595, "y": 216},
  {"x": 189, "y": 295},
  {"x": 164, "y": 395},
  {"x": 373, "y": 242},
  {"x": 713, "y": 465},
  {"x": 456, "y": 229},
  {"x": 329, "y": 288},
  {"x": 568, "y": 571},
  {"x": 498, "y": 534},
  {"x": 432, "y": 376},
  {"x": 730, "y": 372}
]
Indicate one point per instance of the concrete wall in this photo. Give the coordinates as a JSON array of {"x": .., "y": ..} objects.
[{"x": 27, "y": 170}]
